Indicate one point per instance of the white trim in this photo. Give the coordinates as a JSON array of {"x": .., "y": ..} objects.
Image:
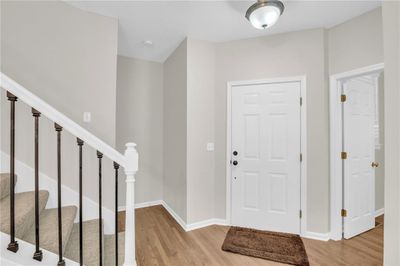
[
  {"x": 379, "y": 212},
  {"x": 336, "y": 145},
  {"x": 148, "y": 204},
  {"x": 303, "y": 111},
  {"x": 317, "y": 236},
  {"x": 143, "y": 205},
  {"x": 174, "y": 215},
  {"x": 205, "y": 223},
  {"x": 26, "y": 180},
  {"x": 178, "y": 219},
  {"x": 303, "y": 189},
  {"x": 228, "y": 153},
  {"x": 192, "y": 226},
  {"x": 51, "y": 113}
]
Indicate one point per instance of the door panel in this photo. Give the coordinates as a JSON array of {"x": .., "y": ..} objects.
[
  {"x": 266, "y": 135},
  {"x": 358, "y": 142}
]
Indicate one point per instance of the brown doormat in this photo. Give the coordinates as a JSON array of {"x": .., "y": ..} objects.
[{"x": 279, "y": 247}]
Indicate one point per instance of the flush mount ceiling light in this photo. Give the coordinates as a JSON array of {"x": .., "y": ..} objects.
[
  {"x": 264, "y": 13},
  {"x": 148, "y": 43}
]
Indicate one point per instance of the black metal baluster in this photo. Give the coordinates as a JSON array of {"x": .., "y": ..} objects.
[
  {"x": 61, "y": 261},
  {"x": 80, "y": 144},
  {"x": 116, "y": 167},
  {"x": 13, "y": 245},
  {"x": 100, "y": 156},
  {"x": 38, "y": 255}
]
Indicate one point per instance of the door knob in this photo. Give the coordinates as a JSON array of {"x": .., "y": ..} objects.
[
  {"x": 375, "y": 164},
  {"x": 235, "y": 163}
]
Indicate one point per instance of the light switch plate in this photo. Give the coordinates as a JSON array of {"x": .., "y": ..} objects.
[
  {"x": 210, "y": 146},
  {"x": 87, "y": 117}
]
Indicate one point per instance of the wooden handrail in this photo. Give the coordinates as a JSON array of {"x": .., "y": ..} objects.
[{"x": 51, "y": 113}]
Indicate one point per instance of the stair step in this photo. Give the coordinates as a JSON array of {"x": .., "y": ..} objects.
[
  {"x": 109, "y": 248},
  {"x": 5, "y": 185},
  {"x": 90, "y": 243},
  {"x": 24, "y": 211},
  {"x": 49, "y": 228}
]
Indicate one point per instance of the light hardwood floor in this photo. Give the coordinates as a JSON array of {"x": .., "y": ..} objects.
[{"x": 161, "y": 241}]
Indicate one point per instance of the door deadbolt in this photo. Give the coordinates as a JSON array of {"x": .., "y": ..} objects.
[
  {"x": 235, "y": 153},
  {"x": 375, "y": 164}
]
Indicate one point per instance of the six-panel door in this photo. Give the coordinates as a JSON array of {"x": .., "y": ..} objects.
[
  {"x": 358, "y": 142},
  {"x": 266, "y": 136}
]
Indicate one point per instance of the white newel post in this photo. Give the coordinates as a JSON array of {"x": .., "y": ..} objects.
[{"x": 131, "y": 167}]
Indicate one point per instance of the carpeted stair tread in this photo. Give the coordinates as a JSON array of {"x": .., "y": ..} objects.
[
  {"x": 109, "y": 249},
  {"x": 49, "y": 228},
  {"x": 5, "y": 185},
  {"x": 90, "y": 243},
  {"x": 24, "y": 211}
]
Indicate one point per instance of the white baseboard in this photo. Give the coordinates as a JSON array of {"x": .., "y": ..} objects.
[
  {"x": 214, "y": 221},
  {"x": 326, "y": 236},
  {"x": 148, "y": 204},
  {"x": 69, "y": 196},
  {"x": 177, "y": 218},
  {"x": 192, "y": 226},
  {"x": 142, "y": 205},
  {"x": 379, "y": 212},
  {"x": 316, "y": 236},
  {"x": 205, "y": 223}
]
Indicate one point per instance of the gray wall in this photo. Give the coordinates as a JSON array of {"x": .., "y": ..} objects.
[
  {"x": 391, "y": 37},
  {"x": 140, "y": 119},
  {"x": 188, "y": 127},
  {"x": 200, "y": 130},
  {"x": 283, "y": 55},
  {"x": 354, "y": 44},
  {"x": 175, "y": 125},
  {"x": 67, "y": 57}
]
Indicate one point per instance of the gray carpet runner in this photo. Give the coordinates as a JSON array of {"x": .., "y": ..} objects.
[{"x": 25, "y": 227}]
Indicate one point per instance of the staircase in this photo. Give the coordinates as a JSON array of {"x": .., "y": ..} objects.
[
  {"x": 24, "y": 216},
  {"x": 25, "y": 227}
]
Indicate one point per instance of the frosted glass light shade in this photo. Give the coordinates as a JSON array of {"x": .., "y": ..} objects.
[{"x": 264, "y": 14}]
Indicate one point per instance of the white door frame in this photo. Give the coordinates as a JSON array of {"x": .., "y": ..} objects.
[
  {"x": 303, "y": 143},
  {"x": 335, "y": 116}
]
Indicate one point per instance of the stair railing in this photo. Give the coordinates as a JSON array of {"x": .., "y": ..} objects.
[{"x": 128, "y": 161}]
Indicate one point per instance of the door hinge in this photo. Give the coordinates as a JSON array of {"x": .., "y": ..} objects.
[
  {"x": 301, "y": 101},
  {"x": 301, "y": 214},
  {"x": 343, "y": 213},
  {"x": 343, "y": 155},
  {"x": 343, "y": 98},
  {"x": 301, "y": 157}
]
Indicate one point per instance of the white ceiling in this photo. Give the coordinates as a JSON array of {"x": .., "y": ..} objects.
[{"x": 167, "y": 23}]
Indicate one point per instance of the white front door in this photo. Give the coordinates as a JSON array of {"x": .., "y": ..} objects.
[
  {"x": 265, "y": 169},
  {"x": 358, "y": 142}
]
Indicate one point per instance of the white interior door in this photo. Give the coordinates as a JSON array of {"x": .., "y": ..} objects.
[
  {"x": 358, "y": 142},
  {"x": 266, "y": 137}
]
